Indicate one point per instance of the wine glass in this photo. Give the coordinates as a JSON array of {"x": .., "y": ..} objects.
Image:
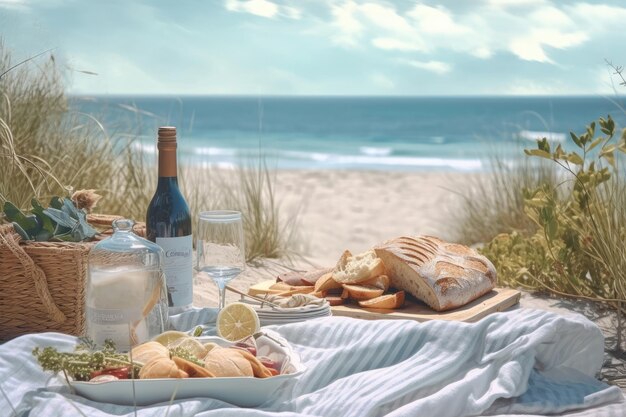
[{"x": 220, "y": 246}]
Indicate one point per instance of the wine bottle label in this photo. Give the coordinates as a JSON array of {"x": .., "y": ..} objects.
[{"x": 178, "y": 269}]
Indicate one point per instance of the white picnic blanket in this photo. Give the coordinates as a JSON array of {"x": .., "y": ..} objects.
[{"x": 520, "y": 362}]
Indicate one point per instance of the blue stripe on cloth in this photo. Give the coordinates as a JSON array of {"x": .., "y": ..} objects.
[{"x": 523, "y": 361}]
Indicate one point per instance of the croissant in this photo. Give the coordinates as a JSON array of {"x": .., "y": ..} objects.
[
  {"x": 161, "y": 368},
  {"x": 193, "y": 370},
  {"x": 145, "y": 352},
  {"x": 259, "y": 370},
  {"x": 227, "y": 362}
]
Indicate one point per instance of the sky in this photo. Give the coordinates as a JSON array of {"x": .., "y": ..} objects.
[{"x": 324, "y": 47}]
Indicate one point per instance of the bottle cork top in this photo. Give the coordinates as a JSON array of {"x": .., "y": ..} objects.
[{"x": 167, "y": 134}]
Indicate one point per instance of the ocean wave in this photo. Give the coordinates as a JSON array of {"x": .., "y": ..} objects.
[
  {"x": 437, "y": 139},
  {"x": 403, "y": 161},
  {"x": 213, "y": 151},
  {"x": 144, "y": 147},
  {"x": 230, "y": 158},
  {"x": 536, "y": 135},
  {"x": 373, "y": 151}
]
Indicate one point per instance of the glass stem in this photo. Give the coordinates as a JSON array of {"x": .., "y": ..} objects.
[{"x": 221, "y": 285}]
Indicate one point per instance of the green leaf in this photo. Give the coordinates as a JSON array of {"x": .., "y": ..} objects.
[
  {"x": 595, "y": 143},
  {"x": 61, "y": 217},
  {"x": 607, "y": 126},
  {"x": 56, "y": 203},
  {"x": 576, "y": 139},
  {"x": 574, "y": 158},
  {"x": 47, "y": 223},
  {"x": 21, "y": 231},
  {"x": 538, "y": 152},
  {"x": 43, "y": 236},
  {"x": 66, "y": 237},
  {"x": 70, "y": 208},
  {"x": 543, "y": 144},
  {"x": 29, "y": 223}
]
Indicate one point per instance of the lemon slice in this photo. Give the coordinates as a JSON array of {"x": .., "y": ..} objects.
[
  {"x": 169, "y": 336},
  {"x": 237, "y": 321},
  {"x": 191, "y": 345}
]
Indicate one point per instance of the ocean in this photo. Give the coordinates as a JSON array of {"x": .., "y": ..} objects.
[{"x": 374, "y": 133}]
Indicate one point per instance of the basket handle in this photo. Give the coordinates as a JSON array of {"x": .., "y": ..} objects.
[{"x": 11, "y": 241}]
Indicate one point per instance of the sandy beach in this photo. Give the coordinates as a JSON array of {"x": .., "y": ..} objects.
[{"x": 338, "y": 210}]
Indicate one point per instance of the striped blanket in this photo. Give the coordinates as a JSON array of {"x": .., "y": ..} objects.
[{"x": 524, "y": 362}]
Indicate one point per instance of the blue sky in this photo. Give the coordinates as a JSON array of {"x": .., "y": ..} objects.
[{"x": 324, "y": 47}]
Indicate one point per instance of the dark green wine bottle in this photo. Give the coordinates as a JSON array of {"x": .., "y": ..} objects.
[{"x": 168, "y": 224}]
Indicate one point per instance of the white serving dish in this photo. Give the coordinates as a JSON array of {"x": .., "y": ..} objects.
[{"x": 240, "y": 391}]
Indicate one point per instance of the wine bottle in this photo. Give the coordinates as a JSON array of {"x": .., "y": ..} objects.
[{"x": 168, "y": 224}]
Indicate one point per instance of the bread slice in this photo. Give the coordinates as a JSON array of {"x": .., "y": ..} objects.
[
  {"x": 443, "y": 275},
  {"x": 334, "y": 301},
  {"x": 363, "y": 292},
  {"x": 327, "y": 283},
  {"x": 381, "y": 281},
  {"x": 356, "y": 269},
  {"x": 388, "y": 301}
]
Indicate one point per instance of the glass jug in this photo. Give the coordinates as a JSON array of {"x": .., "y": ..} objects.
[{"x": 126, "y": 295}]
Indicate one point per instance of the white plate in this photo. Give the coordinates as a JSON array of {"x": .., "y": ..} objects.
[{"x": 240, "y": 391}]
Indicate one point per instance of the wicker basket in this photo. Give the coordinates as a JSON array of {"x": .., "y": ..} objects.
[{"x": 43, "y": 283}]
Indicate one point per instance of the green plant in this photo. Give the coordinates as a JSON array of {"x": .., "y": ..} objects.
[
  {"x": 577, "y": 248},
  {"x": 61, "y": 222}
]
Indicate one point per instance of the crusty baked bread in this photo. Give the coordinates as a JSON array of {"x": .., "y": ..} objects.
[
  {"x": 358, "y": 268},
  {"x": 443, "y": 275},
  {"x": 381, "y": 281},
  {"x": 363, "y": 292},
  {"x": 326, "y": 283},
  {"x": 387, "y": 302}
]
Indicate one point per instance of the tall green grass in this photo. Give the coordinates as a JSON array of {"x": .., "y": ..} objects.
[
  {"x": 47, "y": 149},
  {"x": 494, "y": 201}
]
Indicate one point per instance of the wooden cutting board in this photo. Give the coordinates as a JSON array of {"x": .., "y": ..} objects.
[{"x": 497, "y": 300}]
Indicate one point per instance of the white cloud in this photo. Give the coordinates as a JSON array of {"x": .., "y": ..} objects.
[
  {"x": 515, "y": 3},
  {"x": 599, "y": 16},
  {"x": 349, "y": 27},
  {"x": 529, "y": 50},
  {"x": 386, "y": 18},
  {"x": 527, "y": 29},
  {"x": 437, "y": 67},
  {"x": 482, "y": 52},
  {"x": 435, "y": 20},
  {"x": 263, "y": 8},
  {"x": 21, "y": 5}
]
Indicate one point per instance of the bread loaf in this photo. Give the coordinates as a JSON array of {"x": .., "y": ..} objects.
[
  {"x": 354, "y": 269},
  {"x": 443, "y": 275}
]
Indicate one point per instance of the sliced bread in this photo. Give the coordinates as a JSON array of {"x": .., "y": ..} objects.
[
  {"x": 363, "y": 292},
  {"x": 358, "y": 268},
  {"x": 388, "y": 301}
]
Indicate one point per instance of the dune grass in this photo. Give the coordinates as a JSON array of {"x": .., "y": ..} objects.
[
  {"x": 47, "y": 149},
  {"x": 494, "y": 203}
]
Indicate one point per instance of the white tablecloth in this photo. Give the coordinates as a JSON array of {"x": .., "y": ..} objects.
[{"x": 521, "y": 362}]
